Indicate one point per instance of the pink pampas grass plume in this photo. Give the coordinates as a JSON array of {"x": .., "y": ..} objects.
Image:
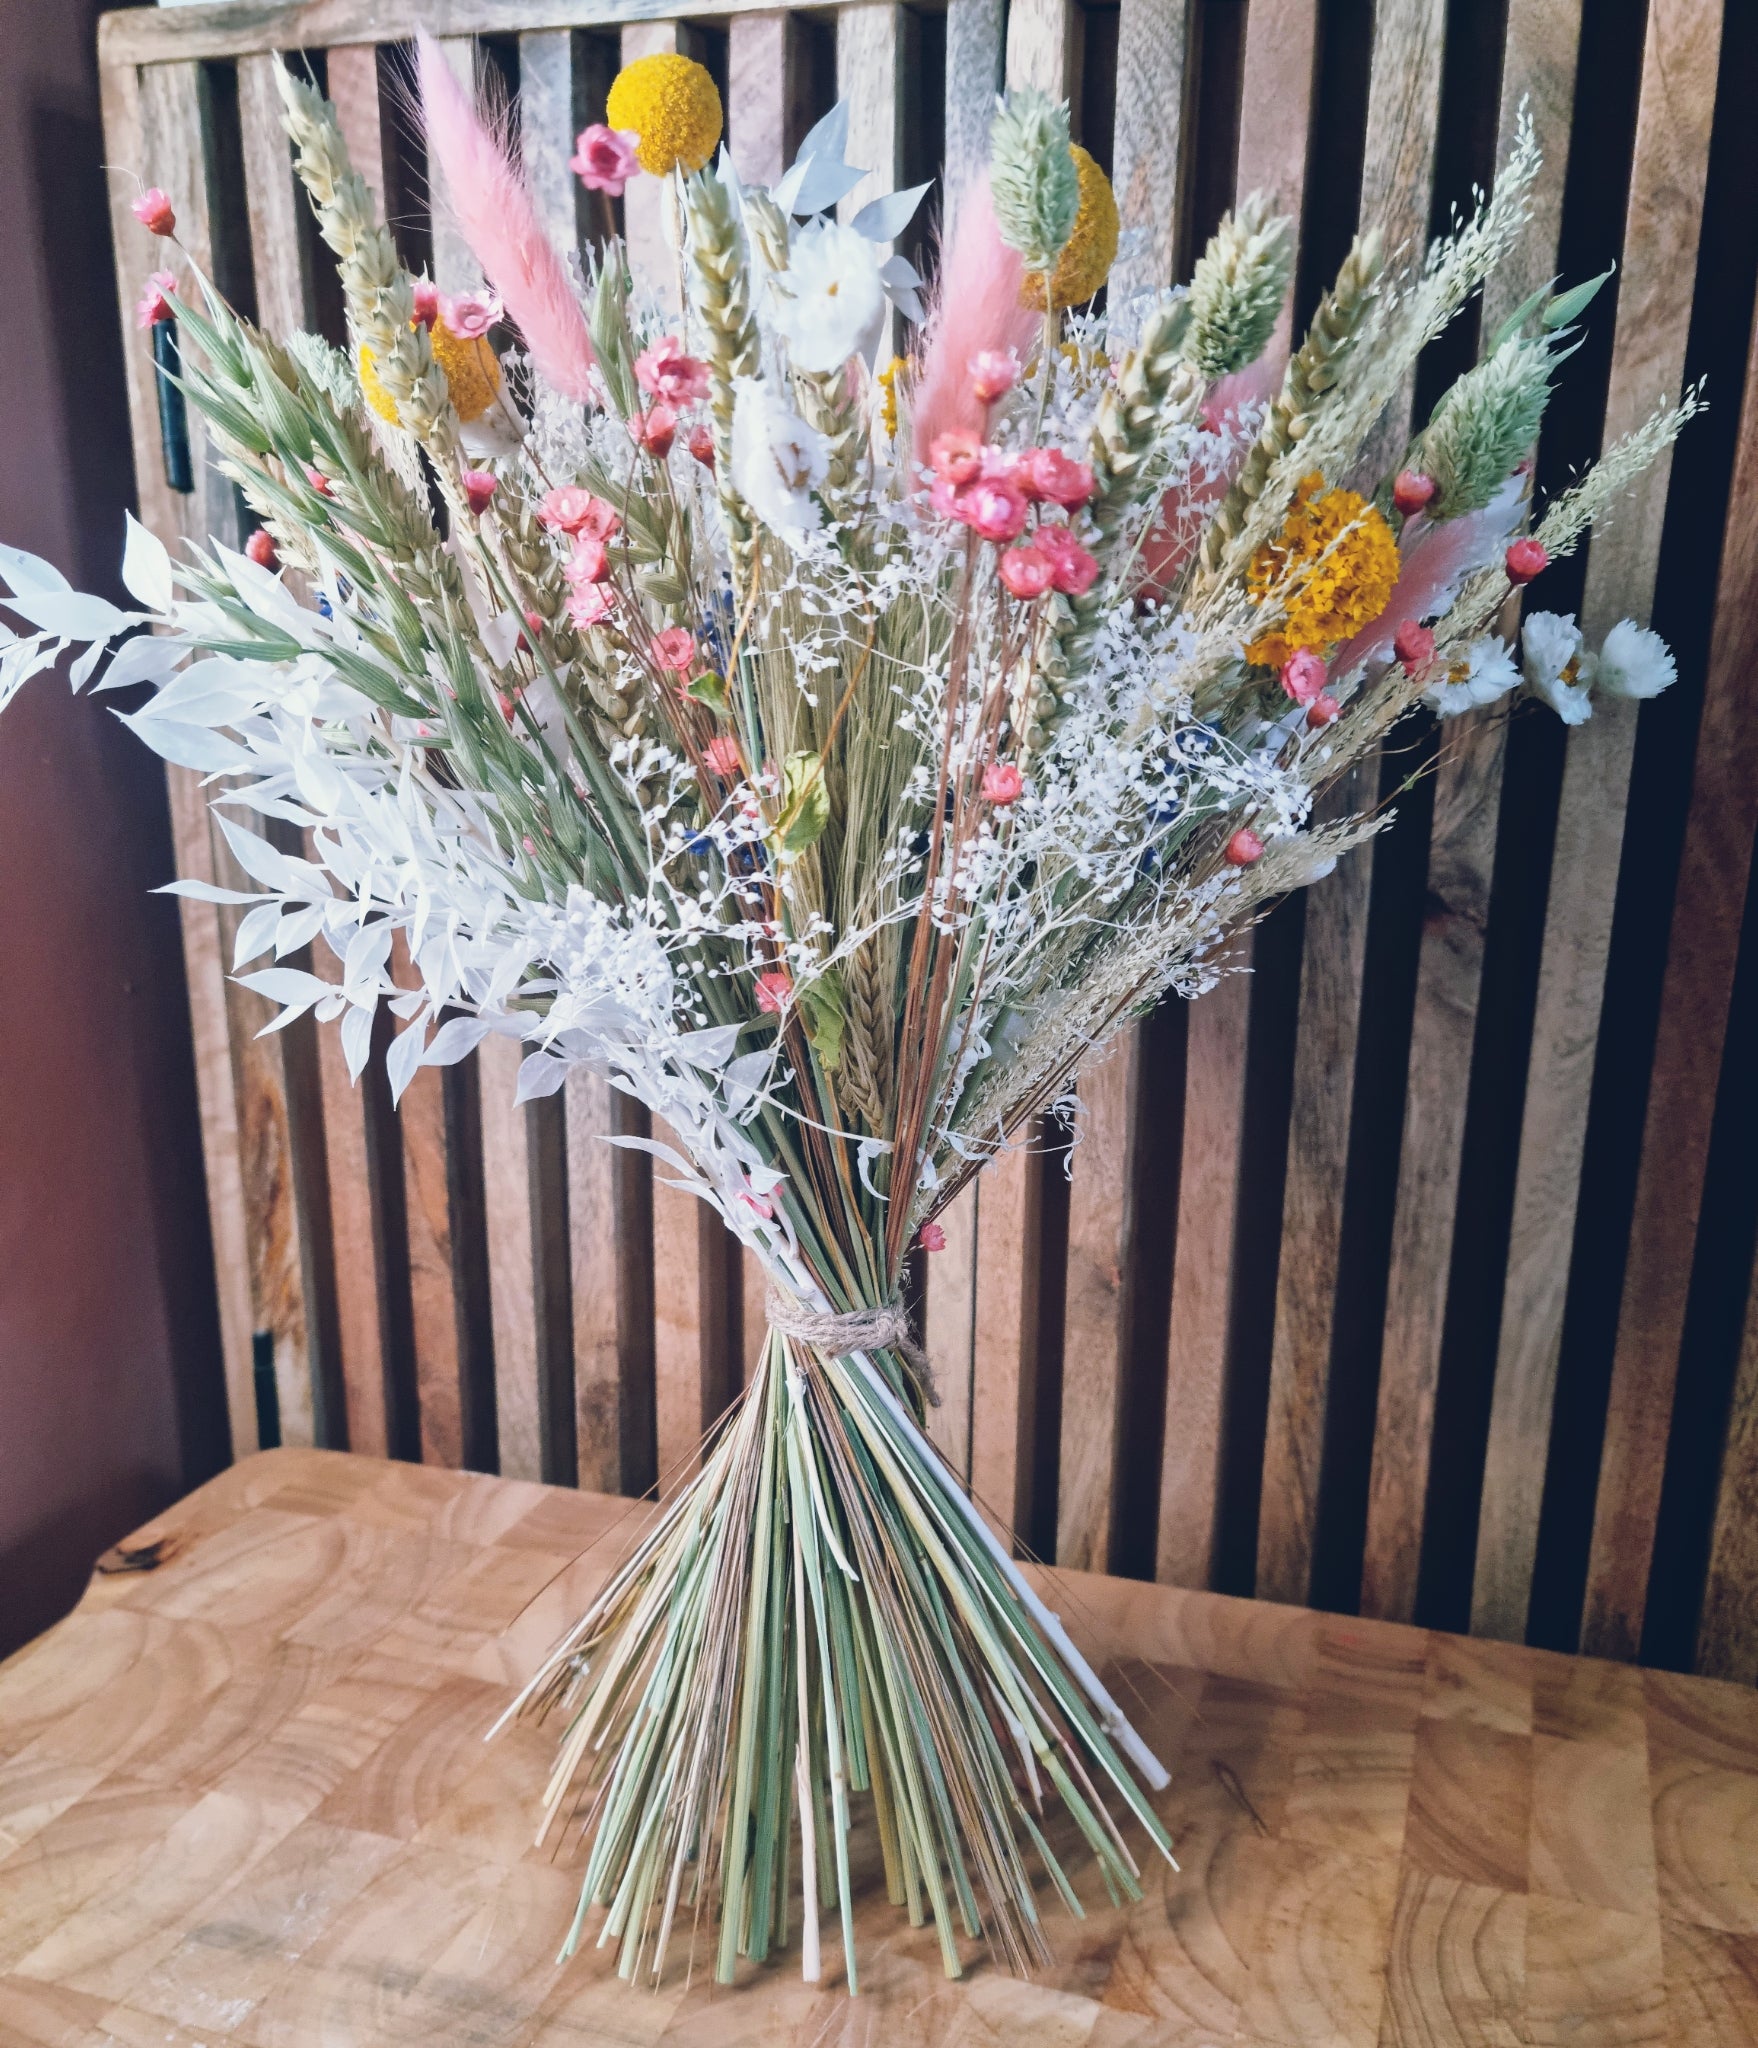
[
  {"x": 1185, "y": 508},
  {"x": 976, "y": 311},
  {"x": 493, "y": 207}
]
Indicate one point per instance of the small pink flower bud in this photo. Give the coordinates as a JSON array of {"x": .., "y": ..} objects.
[
  {"x": 1026, "y": 571},
  {"x": 1412, "y": 491},
  {"x": 1304, "y": 675},
  {"x": 427, "y": 302},
  {"x": 260, "y": 548},
  {"x": 993, "y": 374},
  {"x": 155, "y": 212},
  {"x": 318, "y": 481},
  {"x": 701, "y": 444},
  {"x": 931, "y": 1238},
  {"x": 478, "y": 487},
  {"x": 1073, "y": 568},
  {"x": 155, "y": 303},
  {"x": 470, "y": 315},
  {"x": 666, "y": 371},
  {"x": 774, "y": 991},
  {"x": 957, "y": 457},
  {"x": 655, "y": 430},
  {"x": 994, "y": 510},
  {"x": 721, "y": 755},
  {"x": 591, "y": 604},
  {"x": 1244, "y": 848},
  {"x": 1323, "y": 708},
  {"x": 1413, "y": 645},
  {"x": 1526, "y": 559},
  {"x": 1048, "y": 474},
  {"x": 1002, "y": 783},
  {"x": 604, "y": 159},
  {"x": 674, "y": 649},
  {"x": 589, "y": 561}
]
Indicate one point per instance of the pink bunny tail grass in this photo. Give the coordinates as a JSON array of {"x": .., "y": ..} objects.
[
  {"x": 1438, "y": 556},
  {"x": 976, "y": 307},
  {"x": 1185, "y": 508},
  {"x": 492, "y": 205}
]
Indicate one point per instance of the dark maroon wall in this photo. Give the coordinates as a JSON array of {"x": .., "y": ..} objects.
[{"x": 110, "y": 1392}]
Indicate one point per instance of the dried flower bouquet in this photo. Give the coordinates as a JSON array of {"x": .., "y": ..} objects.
[{"x": 833, "y": 756}]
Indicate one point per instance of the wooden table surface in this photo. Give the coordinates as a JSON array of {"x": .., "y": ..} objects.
[{"x": 244, "y": 1797}]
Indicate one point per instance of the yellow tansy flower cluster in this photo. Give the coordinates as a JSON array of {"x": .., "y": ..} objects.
[
  {"x": 1332, "y": 567},
  {"x": 669, "y": 103},
  {"x": 1091, "y": 249},
  {"x": 887, "y": 382},
  {"x": 472, "y": 371}
]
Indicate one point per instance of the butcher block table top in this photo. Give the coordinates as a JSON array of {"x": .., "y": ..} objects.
[{"x": 244, "y": 1797}]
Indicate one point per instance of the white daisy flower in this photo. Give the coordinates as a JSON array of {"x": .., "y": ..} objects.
[
  {"x": 1557, "y": 666},
  {"x": 1633, "y": 662},
  {"x": 830, "y": 298},
  {"x": 1485, "y": 672},
  {"x": 777, "y": 460}
]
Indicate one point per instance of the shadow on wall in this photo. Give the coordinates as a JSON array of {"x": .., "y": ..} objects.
[{"x": 111, "y": 1397}]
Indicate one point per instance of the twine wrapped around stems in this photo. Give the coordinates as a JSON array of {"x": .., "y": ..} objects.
[{"x": 884, "y": 1328}]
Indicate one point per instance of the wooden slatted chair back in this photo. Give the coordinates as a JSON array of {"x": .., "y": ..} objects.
[{"x": 1329, "y": 1299}]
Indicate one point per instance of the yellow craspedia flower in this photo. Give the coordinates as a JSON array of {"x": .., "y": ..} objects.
[
  {"x": 1091, "y": 249},
  {"x": 372, "y": 387},
  {"x": 887, "y": 381},
  {"x": 1332, "y": 567},
  {"x": 472, "y": 373},
  {"x": 473, "y": 370},
  {"x": 670, "y": 104}
]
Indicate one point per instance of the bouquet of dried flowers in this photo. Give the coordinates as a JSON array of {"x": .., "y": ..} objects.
[{"x": 833, "y": 748}]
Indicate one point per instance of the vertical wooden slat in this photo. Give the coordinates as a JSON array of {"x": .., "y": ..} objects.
[
  {"x": 1662, "y": 226},
  {"x": 1397, "y": 178},
  {"x": 999, "y": 1337},
  {"x": 1149, "y": 144},
  {"x": 756, "y": 1323},
  {"x": 173, "y": 139},
  {"x": 126, "y": 138},
  {"x": 974, "y": 35},
  {"x": 434, "y": 1319},
  {"x": 1275, "y": 111},
  {"x": 546, "y": 1148},
  {"x": 1275, "y": 117},
  {"x": 1040, "y": 46},
  {"x": 677, "y": 1323},
  {"x": 1099, "y": 1230},
  {"x": 1702, "y": 949},
  {"x": 950, "y": 1329},
  {"x": 454, "y": 268},
  {"x": 869, "y": 75},
  {"x": 352, "y": 77},
  {"x": 651, "y": 256},
  {"x": 1202, "y": 1281},
  {"x": 1727, "y": 1626},
  {"x": 592, "y": 1230},
  {"x": 1538, "y": 76},
  {"x": 506, "y": 1180},
  {"x": 547, "y": 129},
  {"x": 761, "y": 85},
  {"x": 283, "y": 300}
]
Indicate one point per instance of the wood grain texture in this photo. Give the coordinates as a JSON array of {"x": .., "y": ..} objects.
[
  {"x": 133, "y": 120},
  {"x": 1100, "y": 1225},
  {"x": 1149, "y": 142},
  {"x": 974, "y": 58},
  {"x": 998, "y": 1337},
  {"x": 1040, "y": 46},
  {"x": 1662, "y": 229},
  {"x": 1396, "y": 183},
  {"x": 592, "y": 1234},
  {"x": 650, "y": 253},
  {"x": 547, "y": 127},
  {"x": 1538, "y": 84},
  {"x": 760, "y": 91},
  {"x": 352, "y": 77},
  {"x": 454, "y": 268},
  {"x": 1202, "y": 1281},
  {"x": 506, "y": 1178},
  {"x": 677, "y": 1325},
  {"x": 1727, "y": 1629},
  {"x": 950, "y": 1329},
  {"x": 872, "y": 39},
  {"x": 245, "y": 1798},
  {"x": 1702, "y": 951}
]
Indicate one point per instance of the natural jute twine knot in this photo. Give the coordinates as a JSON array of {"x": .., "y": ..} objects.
[{"x": 886, "y": 1328}]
